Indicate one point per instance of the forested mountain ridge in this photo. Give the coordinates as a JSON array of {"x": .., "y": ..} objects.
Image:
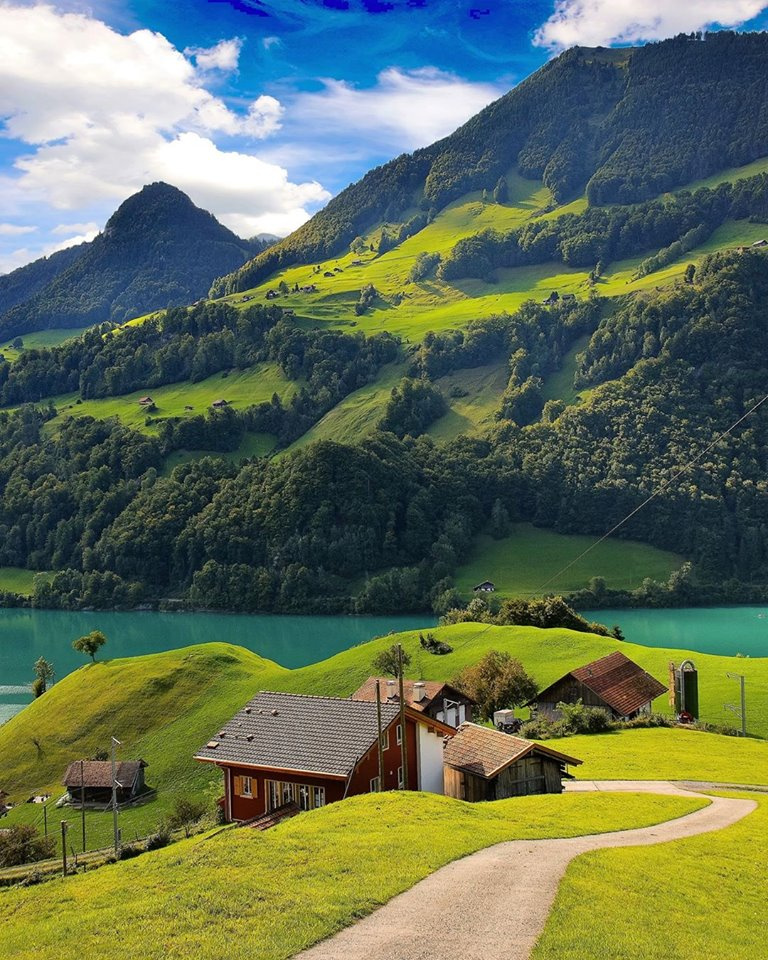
[
  {"x": 157, "y": 249},
  {"x": 624, "y": 125}
]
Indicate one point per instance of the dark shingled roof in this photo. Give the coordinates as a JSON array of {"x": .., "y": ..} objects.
[
  {"x": 486, "y": 752},
  {"x": 432, "y": 689},
  {"x": 286, "y": 731},
  {"x": 618, "y": 681},
  {"x": 98, "y": 773}
]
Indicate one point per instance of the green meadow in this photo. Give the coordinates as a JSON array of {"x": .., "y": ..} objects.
[
  {"x": 18, "y": 580},
  {"x": 531, "y": 557},
  {"x": 703, "y": 897},
  {"x": 39, "y": 340},
  {"x": 245, "y": 894}
]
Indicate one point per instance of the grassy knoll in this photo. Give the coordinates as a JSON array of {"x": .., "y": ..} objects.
[
  {"x": 241, "y": 388},
  {"x": 523, "y": 562},
  {"x": 163, "y": 706},
  {"x": 17, "y": 580},
  {"x": 252, "y": 445},
  {"x": 39, "y": 340},
  {"x": 243, "y": 894},
  {"x": 689, "y": 899},
  {"x": 470, "y": 412}
]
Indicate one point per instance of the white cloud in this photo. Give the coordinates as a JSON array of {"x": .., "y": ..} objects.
[
  {"x": 594, "y": 23},
  {"x": 224, "y": 56},
  {"x": 67, "y": 229},
  {"x": 104, "y": 113},
  {"x": 15, "y": 229},
  {"x": 406, "y": 109},
  {"x": 264, "y": 117}
]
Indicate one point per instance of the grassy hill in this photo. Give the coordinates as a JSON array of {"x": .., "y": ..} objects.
[
  {"x": 163, "y": 706},
  {"x": 529, "y": 557},
  {"x": 247, "y": 894}
]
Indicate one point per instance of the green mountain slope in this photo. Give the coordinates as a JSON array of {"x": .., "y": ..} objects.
[{"x": 157, "y": 248}]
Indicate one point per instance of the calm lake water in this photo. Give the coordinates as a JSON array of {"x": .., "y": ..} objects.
[
  {"x": 26, "y": 635},
  {"x": 723, "y": 630}
]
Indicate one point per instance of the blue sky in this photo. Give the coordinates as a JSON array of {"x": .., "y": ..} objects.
[{"x": 261, "y": 110}]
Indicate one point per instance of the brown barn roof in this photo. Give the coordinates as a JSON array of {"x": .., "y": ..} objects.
[
  {"x": 432, "y": 689},
  {"x": 486, "y": 752},
  {"x": 619, "y": 681},
  {"x": 286, "y": 731},
  {"x": 98, "y": 773}
]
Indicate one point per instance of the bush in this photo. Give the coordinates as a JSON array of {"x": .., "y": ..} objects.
[
  {"x": 186, "y": 812},
  {"x": 578, "y": 718},
  {"x": 23, "y": 844},
  {"x": 431, "y": 644},
  {"x": 130, "y": 850},
  {"x": 160, "y": 838}
]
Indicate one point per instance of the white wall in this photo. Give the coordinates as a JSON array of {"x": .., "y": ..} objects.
[{"x": 430, "y": 755}]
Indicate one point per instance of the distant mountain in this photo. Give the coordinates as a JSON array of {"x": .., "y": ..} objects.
[
  {"x": 625, "y": 125},
  {"x": 157, "y": 249}
]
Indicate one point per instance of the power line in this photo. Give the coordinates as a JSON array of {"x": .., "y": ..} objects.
[{"x": 660, "y": 489}]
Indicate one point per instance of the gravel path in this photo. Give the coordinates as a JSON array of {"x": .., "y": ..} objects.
[{"x": 494, "y": 903}]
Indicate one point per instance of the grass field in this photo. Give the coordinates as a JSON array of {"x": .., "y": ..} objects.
[
  {"x": 39, "y": 340},
  {"x": 471, "y": 414},
  {"x": 241, "y": 388},
  {"x": 521, "y": 564},
  {"x": 703, "y": 897},
  {"x": 253, "y": 445},
  {"x": 17, "y": 580},
  {"x": 559, "y": 385},
  {"x": 243, "y": 894}
]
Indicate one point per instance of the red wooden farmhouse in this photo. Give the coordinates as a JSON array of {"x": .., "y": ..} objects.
[{"x": 286, "y": 749}]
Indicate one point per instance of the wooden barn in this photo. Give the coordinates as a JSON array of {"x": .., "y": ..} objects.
[
  {"x": 484, "y": 764},
  {"x": 615, "y": 683},
  {"x": 440, "y": 701},
  {"x": 92, "y": 779},
  {"x": 289, "y": 751}
]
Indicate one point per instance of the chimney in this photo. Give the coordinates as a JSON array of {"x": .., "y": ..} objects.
[
  {"x": 419, "y": 691},
  {"x": 391, "y": 689}
]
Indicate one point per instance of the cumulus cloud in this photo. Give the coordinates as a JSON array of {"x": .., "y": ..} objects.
[
  {"x": 68, "y": 229},
  {"x": 594, "y": 23},
  {"x": 105, "y": 113},
  {"x": 405, "y": 109},
  {"x": 224, "y": 56}
]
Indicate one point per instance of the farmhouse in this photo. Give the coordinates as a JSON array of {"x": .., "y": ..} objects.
[
  {"x": 440, "y": 701},
  {"x": 614, "y": 682},
  {"x": 92, "y": 779},
  {"x": 286, "y": 750},
  {"x": 272, "y": 295},
  {"x": 485, "y": 764},
  {"x": 218, "y": 404},
  {"x": 146, "y": 402},
  {"x": 487, "y": 586}
]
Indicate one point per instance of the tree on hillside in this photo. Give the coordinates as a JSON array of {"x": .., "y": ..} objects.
[
  {"x": 357, "y": 245},
  {"x": 388, "y": 663},
  {"x": 497, "y": 682},
  {"x": 22, "y": 844},
  {"x": 186, "y": 812},
  {"x": 90, "y": 644},
  {"x": 501, "y": 191},
  {"x": 43, "y": 676}
]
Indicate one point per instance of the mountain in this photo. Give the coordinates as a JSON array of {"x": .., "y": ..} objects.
[
  {"x": 156, "y": 250},
  {"x": 624, "y": 125}
]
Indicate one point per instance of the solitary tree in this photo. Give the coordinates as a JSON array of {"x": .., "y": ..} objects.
[
  {"x": 387, "y": 661},
  {"x": 90, "y": 644},
  {"x": 496, "y": 682},
  {"x": 43, "y": 676},
  {"x": 186, "y": 812}
]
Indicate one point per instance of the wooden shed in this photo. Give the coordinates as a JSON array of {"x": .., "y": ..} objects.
[{"x": 484, "y": 764}]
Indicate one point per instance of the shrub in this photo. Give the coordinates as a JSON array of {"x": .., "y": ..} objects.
[
  {"x": 23, "y": 844},
  {"x": 496, "y": 682},
  {"x": 186, "y": 812},
  {"x": 431, "y": 644},
  {"x": 578, "y": 718},
  {"x": 160, "y": 838}
]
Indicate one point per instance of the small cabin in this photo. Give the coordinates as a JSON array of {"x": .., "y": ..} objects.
[
  {"x": 760, "y": 243},
  {"x": 615, "y": 683},
  {"x": 91, "y": 780},
  {"x": 146, "y": 402},
  {"x": 218, "y": 404},
  {"x": 272, "y": 295},
  {"x": 568, "y": 297},
  {"x": 487, "y": 586},
  {"x": 328, "y": 273},
  {"x": 552, "y": 298},
  {"x": 484, "y": 764}
]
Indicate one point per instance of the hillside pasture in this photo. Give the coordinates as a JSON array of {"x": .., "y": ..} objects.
[
  {"x": 39, "y": 340},
  {"x": 524, "y": 563}
]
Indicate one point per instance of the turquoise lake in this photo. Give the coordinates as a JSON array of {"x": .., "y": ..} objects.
[{"x": 26, "y": 635}]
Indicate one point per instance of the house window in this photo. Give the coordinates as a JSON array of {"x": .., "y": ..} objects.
[
  {"x": 305, "y": 797},
  {"x": 385, "y": 740},
  {"x": 375, "y": 785},
  {"x": 247, "y": 788},
  {"x": 399, "y": 734},
  {"x": 318, "y": 796},
  {"x": 400, "y": 781}
]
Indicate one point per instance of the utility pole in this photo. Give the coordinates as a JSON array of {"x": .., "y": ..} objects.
[
  {"x": 115, "y": 744},
  {"x": 64, "y": 826},
  {"x": 378, "y": 726},
  {"x": 403, "y": 732},
  {"x": 741, "y": 711},
  {"x": 45, "y": 818},
  {"x": 82, "y": 798}
]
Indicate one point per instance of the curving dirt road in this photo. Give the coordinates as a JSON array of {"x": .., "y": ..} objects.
[{"x": 494, "y": 903}]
